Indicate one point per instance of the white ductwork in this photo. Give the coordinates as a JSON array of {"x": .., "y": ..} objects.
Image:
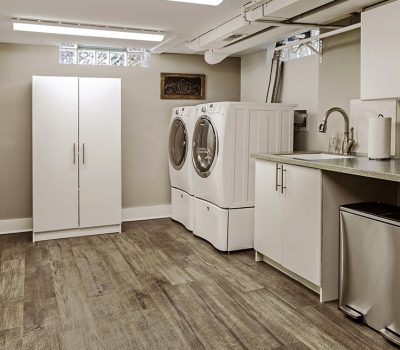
[
  {"x": 263, "y": 22},
  {"x": 212, "y": 57},
  {"x": 225, "y": 34}
]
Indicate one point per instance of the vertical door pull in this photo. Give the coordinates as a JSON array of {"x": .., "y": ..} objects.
[
  {"x": 74, "y": 152},
  {"x": 83, "y": 153},
  {"x": 277, "y": 176},
  {"x": 282, "y": 179}
]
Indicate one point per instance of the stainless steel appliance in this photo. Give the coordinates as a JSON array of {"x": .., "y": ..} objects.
[{"x": 370, "y": 266}]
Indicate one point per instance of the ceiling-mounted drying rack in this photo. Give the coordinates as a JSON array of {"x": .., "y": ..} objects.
[{"x": 319, "y": 37}]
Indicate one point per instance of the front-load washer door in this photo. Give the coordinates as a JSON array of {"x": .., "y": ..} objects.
[
  {"x": 205, "y": 146},
  {"x": 178, "y": 143}
]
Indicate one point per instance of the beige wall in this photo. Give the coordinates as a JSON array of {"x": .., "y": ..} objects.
[
  {"x": 339, "y": 82},
  {"x": 145, "y": 119},
  {"x": 301, "y": 86},
  {"x": 313, "y": 85},
  {"x": 254, "y": 77}
]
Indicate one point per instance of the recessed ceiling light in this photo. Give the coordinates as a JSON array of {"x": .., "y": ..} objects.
[
  {"x": 201, "y": 2},
  {"x": 88, "y": 32}
]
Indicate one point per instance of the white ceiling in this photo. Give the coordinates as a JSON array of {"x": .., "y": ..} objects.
[{"x": 174, "y": 18}]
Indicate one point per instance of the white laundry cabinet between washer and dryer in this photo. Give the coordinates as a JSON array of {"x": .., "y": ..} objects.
[
  {"x": 76, "y": 140},
  {"x": 224, "y": 137}
]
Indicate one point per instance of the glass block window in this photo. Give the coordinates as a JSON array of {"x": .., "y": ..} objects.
[
  {"x": 137, "y": 58},
  {"x": 131, "y": 57},
  {"x": 302, "y": 50},
  {"x": 68, "y": 56},
  {"x": 117, "y": 58},
  {"x": 86, "y": 56},
  {"x": 102, "y": 58}
]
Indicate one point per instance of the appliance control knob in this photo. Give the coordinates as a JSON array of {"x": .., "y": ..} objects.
[
  {"x": 203, "y": 109},
  {"x": 176, "y": 112},
  {"x": 208, "y": 208}
]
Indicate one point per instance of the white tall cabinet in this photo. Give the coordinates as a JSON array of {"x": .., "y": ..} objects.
[{"x": 76, "y": 136}]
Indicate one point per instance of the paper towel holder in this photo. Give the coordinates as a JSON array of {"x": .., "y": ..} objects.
[{"x": 375, "y": 157}]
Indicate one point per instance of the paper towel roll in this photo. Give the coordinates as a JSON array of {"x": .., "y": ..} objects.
[{"x": 379, "y": 137}]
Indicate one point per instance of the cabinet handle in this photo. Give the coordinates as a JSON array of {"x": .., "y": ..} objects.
[
  {"x": 83, "y": 153},
  {"x": 74, "y": 152},
  {"x": 282, "y": 179},
  {"x": 277, "y": 176}
]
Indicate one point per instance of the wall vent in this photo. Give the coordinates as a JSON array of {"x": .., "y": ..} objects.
[{"x": 234, "y": 37}]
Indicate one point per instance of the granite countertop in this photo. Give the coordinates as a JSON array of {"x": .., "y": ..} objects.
[{"x": 359, "y": 165}]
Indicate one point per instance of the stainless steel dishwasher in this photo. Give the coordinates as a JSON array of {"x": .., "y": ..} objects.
[{"x": 369, "y": 288}]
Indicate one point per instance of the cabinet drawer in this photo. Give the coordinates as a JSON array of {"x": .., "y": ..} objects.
[
  {"x": 182, "y": 208},
  {"x": 211, "y": 223}
]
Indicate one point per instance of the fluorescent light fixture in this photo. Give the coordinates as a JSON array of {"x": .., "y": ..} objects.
[
  {"x": 201, "y": 2},
  {"x": 82, "y": 31}
]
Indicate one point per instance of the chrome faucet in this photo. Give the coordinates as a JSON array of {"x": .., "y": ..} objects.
[{"x": 348, "y": 140}]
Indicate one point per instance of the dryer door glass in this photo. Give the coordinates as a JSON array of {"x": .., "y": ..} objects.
[
  {"x": 177, "y": 143},
  {"x": 204, "y": 147}
]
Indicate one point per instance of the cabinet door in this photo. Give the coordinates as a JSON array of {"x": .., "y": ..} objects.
[
  {"x": 54, "y": 156},
  {"x": 380, "y": 73},
  {"x": 268, "y": 211},
  {"x": 100, "y": 151},
  {"x": 302, "y": 222}
]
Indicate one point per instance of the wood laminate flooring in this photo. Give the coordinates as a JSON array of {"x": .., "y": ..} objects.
[{"x": 156, "y": 286}]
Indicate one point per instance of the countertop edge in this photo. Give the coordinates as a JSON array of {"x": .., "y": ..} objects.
[{"x": 324, "y": 165}]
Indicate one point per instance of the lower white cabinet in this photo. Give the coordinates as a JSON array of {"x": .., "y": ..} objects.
[
  {"x": 297, "y": 219},
  {"x": 288, "y": 215}
]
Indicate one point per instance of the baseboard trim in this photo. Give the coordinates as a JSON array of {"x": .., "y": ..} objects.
[
  {"x": 79, "y": 232},
  {"x": 128, "y": 214},
  {"x": 146, "y": 213},
  {"x": 15, "y": 226}
]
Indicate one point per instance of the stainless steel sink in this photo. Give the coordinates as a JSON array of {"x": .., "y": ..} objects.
[{"x": 317, "y": 156}]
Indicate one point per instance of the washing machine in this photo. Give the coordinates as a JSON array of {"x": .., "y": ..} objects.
[
  {"x": 224, "y": 137},
  {"x": 180, "y": 165}
]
